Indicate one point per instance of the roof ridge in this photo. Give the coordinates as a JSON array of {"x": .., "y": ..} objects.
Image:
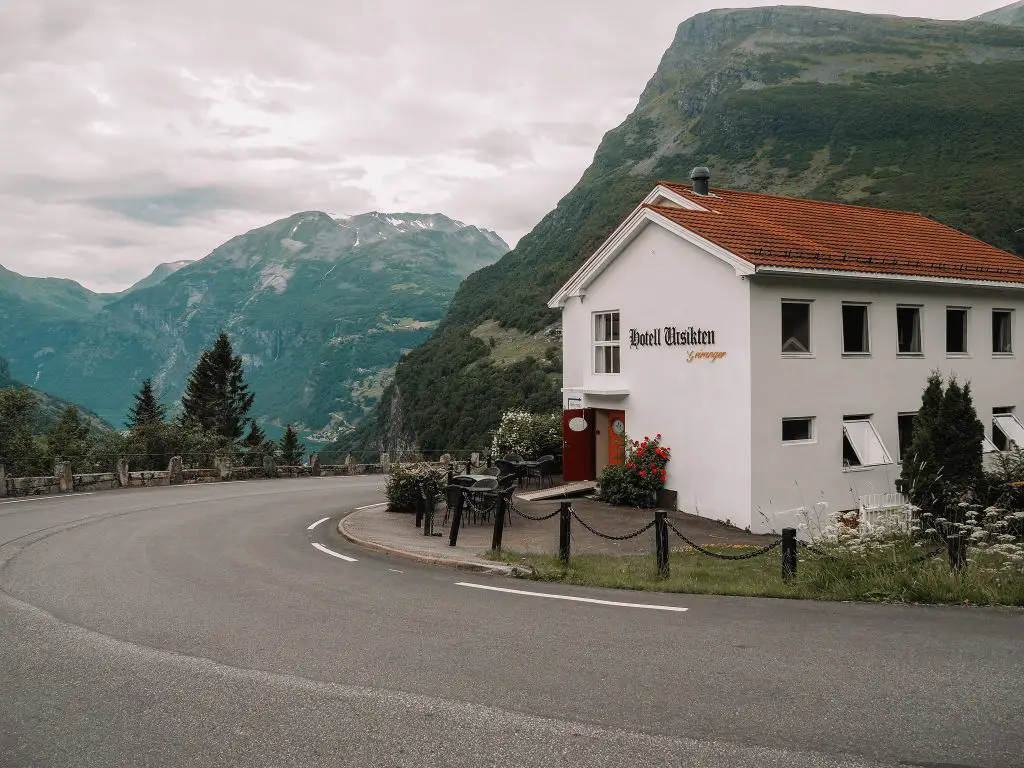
[{"x": 803, "y": 200}]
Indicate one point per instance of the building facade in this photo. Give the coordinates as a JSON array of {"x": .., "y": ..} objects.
[{"x": 780, "y": 347}]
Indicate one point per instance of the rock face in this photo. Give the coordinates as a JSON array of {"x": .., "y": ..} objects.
[
  {"x": 899, "y": 113},
  {"x": 320, "y": 308}
]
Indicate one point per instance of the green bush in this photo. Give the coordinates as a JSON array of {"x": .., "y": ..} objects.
[
  {"x": 403, "y": 486},
  {"x": 528, "y": 434},
  {"x": 636, "y": 482}
]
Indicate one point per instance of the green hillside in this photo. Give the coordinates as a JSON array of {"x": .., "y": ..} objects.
[
  {"x": 50, "y": 408},
  {"x": 896, "y": 113}
]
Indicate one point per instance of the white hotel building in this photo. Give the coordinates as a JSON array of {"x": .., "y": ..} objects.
[{"x": 780, "y": 346}]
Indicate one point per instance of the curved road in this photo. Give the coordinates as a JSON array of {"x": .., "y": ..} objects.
[{"x": 198, "y": 625}]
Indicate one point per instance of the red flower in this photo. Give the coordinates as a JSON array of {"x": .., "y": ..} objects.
[
  {"x": 642, "y": 473},
  {"x": 659, "y": 435}
]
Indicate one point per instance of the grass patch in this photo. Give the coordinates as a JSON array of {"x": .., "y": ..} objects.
[
  {"x": 873, "y": 578},
  {"x": 509, "y": 344}
]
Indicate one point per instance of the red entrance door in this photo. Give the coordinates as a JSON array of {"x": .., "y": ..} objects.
[
  {"x": 578, "y": 444},
  {"x": 616, "y": 437}
]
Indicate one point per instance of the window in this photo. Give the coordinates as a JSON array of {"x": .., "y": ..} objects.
[
  {"x": 862, "y": 447},
  {"x": 1007, "y": 431},
  {"x": 606, "y": 342},
  {"x": 956, "y": 331},
  {"x": 908, "y": 330},
  {"x": 905, "y": 432},
  {"x": 796, "y": 327},
  {"x": 1002, "y": 324},
  {"x": 855, "y": 329},
  {"x": 798, "y": 430}
]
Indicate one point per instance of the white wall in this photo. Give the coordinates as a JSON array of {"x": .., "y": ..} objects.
[
  {"x": 827, "y": 386},
  {"x": 701, "y": 408}
]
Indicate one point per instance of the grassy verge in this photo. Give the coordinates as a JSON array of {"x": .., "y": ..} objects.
[{"x": 874, "y": 577}]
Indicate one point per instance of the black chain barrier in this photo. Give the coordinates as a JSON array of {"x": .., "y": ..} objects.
[
  {"x": 719, "y": 555},
  {"x": 605, "y": 535},
  {"x": 530, "y": 517}
]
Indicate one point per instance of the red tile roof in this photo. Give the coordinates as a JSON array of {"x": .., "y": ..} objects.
[{"x": 789, "y": 232}]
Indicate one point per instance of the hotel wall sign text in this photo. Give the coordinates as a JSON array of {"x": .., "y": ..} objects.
[{"x": 670, "y": 336}]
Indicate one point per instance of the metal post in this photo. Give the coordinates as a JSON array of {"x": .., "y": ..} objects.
[
  {"x": 788, "y": 554},
  {"x": 564, "y": 532},
  {"x": 428, "y": 511},
  {"x": 469, "y": 466},
  {"x": 419, "y": 505},
  {"x": 499, "y": 522},
  {"x": 460, "y": 499},
  {"x": 957, "y": 546},
  {"x": 661, "y": 542},
  {"x": 449, "y": 474}
]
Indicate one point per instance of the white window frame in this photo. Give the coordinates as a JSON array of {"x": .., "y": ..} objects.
[
  {"x": 1009, "y": 425},
  {"x": 967, "y": 331},
  {"x": 873, "y": 433},
  {"x": 802, "y": 441},
  {"x": 809, "y": 303},
  {"x": 1009, "y": 312},
  {"x": 606, "y": 343},
  {"x": 920, "y": 330},
  {"x": 866, "y": 352}
]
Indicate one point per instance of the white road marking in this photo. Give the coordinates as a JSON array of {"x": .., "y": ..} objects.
[
  {"x": 570, "y": 597},
  {"x": 395, "y": 570},
  {"x": 314, "y": 525},
  {"x": 47, "y": 497},
  {"x": 368, "y": 506},
  {"x": 331, "y": 552}
]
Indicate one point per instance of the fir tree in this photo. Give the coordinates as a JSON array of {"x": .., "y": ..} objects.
[
  {"x": 256, "y": 437},
  {"x": 291, "y": 449},
  {"x": 216, "y": 396},
  {"x": 147, "y": 409},
  {"x": 961, "y": 434},
  {"x": 67, "y": 438},
  {"x": 921, "y": 463}
]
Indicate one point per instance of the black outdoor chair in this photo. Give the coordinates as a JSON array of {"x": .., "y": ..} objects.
[
  {"x": 515, "y": 458},
  {"x": 491, "y": 471},
  {"x": 543, "y": 470},
  {"x": 508, "y": 469},
  {"x": 481, "y": 496}
]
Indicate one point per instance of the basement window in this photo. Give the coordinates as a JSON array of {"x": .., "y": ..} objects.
[
  {"x": 1007, "y": 431},
  {"x": 862, "y": 447},
  {"x": 1002, "y": 325},
  {"x": 905, "y": 433},
  {"x": 799, "y": 430},
  {"x": 855, "y": 330},
  {"x": 796, "y": 328}
]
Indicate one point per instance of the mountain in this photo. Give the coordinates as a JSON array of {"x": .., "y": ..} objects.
[
  {"x": 1011, "y": 15},
  {"x": 897, "y": 113},
  {"x": 50, "y": 408},
  {"x": 320, "y": 308},
  {"x": 161, "y": 272}
]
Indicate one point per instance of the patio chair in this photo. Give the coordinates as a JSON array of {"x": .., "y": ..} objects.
[
  {"x": 542, "y": 470},
  {"x": 482, "y": 497},
  {"x": 515, "y": 458},
  {"x": 492, "y": 471}
]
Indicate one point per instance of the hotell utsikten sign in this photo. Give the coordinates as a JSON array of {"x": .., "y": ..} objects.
[{"x": 670, "y": 336}]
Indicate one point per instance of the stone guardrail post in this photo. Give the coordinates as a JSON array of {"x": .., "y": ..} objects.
[
  {"x": 223, "y": 467},
  {"x": 269, "y": 467},
  {"x": 175, "y": 475},
  {"x": 385, "y": 463},
  {"x": 350, "y": 463},
  {"x": 3, "y": 481},
  {"x": 122, "y": 472},
  {"x": 65, "y": 480},
  {"x": 314, "y": 465}
]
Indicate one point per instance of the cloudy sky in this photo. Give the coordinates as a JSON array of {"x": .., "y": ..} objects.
[{"x": 134, "y": 132}]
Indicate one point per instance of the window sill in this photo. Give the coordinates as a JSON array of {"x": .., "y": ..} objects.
[
  {"x": 799, "y": 442},
  {"x": 1004, "y": 355},
  {"x": 797, "y": 356},
  {"x": 910, "y": 354},
  {"x": 856, "y": 354},
  {"x": 866, "y": 467},
  {"x": 954, "y": 355}
]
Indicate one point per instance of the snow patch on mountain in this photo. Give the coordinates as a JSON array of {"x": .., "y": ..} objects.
[{"x": 292, "y": 245}]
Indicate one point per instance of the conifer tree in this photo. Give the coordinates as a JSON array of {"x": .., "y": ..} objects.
[
  {"x": 291, "y": 449},
  {"x": 256, "y": 437},
  {"x": 921, "y": 467},
  {"x": 67, "y": 438},
  {"x": 216, "y": 396},
  {"x": 147, "y": 409},
  {"x": 960, "y": 434}
]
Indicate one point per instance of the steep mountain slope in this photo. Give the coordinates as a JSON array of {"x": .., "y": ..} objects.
[
  {"x": 1012, "y": 15},
  {"x": 50, "y": 408},
  {"x": 158, "y": 275},
  {"x": 319, "y": 308},
  {"x": 901, "y": 113}
]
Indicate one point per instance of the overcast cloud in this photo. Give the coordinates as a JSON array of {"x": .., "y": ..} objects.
[{"x": 134, "y": 132}]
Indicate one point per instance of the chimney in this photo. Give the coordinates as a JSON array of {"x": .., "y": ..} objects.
[{"x": 701, "y": 177}]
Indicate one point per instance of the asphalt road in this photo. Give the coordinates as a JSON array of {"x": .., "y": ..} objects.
[{"x": 199, "y": 626}]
